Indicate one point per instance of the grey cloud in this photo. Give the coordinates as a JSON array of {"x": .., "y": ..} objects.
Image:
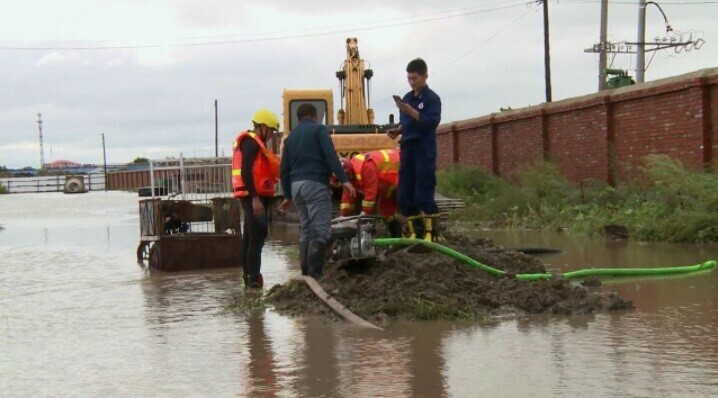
[{"x": 161, "y": 109}]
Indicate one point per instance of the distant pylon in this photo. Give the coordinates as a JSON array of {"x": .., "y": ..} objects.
[{"x": 42, "y": 147}]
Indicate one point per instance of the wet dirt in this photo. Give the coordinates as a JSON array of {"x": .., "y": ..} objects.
[{"x": 409, "y": 284}]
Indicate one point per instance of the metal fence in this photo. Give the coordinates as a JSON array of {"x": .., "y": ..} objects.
[
  {"x": 197, "y": 180},
  {"x": 93, "y": 182}
]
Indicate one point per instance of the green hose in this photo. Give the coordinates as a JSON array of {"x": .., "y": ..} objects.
[{"x": 583, "y": 273}]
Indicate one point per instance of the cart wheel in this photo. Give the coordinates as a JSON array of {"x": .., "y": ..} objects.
[
  {"x": 143, "y": 252},
  {"x": 154, "y": 257}
]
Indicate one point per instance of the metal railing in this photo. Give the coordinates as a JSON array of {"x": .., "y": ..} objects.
[
  {"x": 93, "y": 182},
  {"x": 197, "y": 180}
]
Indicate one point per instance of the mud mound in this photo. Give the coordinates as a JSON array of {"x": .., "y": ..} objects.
[{"x": 410, "y": 284}]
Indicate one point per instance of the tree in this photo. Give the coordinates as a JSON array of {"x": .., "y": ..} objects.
[{"x": 140, "y": 161}]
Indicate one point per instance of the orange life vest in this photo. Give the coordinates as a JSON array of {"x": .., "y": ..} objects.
[{"x": 265, "y": 168}]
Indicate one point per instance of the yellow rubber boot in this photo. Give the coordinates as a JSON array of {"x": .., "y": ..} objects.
[
  {"x": 432, "y": 226},
  {"x": 428, "y": 224},
  {"x": 410, "y": 224}
]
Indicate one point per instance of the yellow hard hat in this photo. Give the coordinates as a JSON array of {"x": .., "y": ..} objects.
[{"x": 266, "y": 117}]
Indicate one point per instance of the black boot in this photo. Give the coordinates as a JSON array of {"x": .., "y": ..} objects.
[
  {"x": 255, "y": 281},
  {"x": 303, "y": 256},
  {"x": 315, "y": 258},
  {"x": 394, "y": 227}
]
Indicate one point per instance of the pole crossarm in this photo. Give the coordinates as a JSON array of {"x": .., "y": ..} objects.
[{"x": 625, "y": 47}]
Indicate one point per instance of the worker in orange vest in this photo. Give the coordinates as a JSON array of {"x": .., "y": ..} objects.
[
  {"x": 375, "y": 175},
  {"x": 255, "y": 172}
]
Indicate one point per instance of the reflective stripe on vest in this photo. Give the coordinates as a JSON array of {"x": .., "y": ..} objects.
[
  {"x": 357, "y": 162},
  {"x": 264, "y": 181},
  {"x": 388, "y": 164}
]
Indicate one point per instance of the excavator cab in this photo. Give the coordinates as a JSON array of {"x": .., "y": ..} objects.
[{"x": 354, "y": 131}]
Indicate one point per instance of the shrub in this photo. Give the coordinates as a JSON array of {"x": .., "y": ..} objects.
[{"x": 670, "y": 203}]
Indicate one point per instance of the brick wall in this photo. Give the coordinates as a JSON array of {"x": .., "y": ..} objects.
[
  {"x": 600, "y": 136},
  {"x": 578, "y": 142},
  {"x": 475, "y": 146}
]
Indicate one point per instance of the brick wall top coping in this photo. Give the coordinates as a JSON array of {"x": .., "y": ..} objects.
[{"x": 701, "y": 77}]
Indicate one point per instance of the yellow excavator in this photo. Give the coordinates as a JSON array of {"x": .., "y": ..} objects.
[{"x": 354, "y": 131}]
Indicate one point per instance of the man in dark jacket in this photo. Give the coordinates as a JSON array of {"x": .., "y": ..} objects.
[
  {"x": 308, "y": 161},
  {"x": 420, "y": 115}
]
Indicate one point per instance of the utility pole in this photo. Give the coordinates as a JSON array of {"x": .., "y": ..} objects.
[
  {"x": 42, "y": 148},
  {"x": 104, "y": 159},
  {"x": 602, "y": 60},
  {"x": 216, "y": 132},
  {"x": 546, "y": 50},
  {"x": 641, "y": 42},
  {"x": 674, "y": 42}
]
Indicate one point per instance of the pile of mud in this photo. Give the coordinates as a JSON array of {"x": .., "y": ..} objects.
[{"x": 414, "y": 284}]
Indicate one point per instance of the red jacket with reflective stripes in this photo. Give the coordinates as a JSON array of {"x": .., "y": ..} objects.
[{"x": 376, "y": 176}]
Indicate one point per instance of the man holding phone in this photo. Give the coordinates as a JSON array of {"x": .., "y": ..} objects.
[{"x": 420, "y": 115}]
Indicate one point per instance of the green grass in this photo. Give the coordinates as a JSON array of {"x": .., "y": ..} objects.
[
  {"x": 669, "y": 203},
  {"x": 3, "y": 189},
  {"x": 247, "y": 302},
  {"x": 427, "y": 309}
]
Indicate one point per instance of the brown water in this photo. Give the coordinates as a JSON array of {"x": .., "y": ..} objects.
[{"x": 79, "y": 318}]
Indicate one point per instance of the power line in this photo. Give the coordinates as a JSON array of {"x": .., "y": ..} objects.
[
  {"x": 531, "y": 7},
  {"x": 488, "y": 39},
  {"x": 265, "y": 39},
  {"x": 347, "y": 26},
  {"x": 635, "y": 3}
]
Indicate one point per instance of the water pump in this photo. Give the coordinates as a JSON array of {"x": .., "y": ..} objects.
[{"x": 353, "y": 237}]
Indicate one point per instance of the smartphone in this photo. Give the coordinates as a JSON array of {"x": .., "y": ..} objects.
[{"x": 397, "y": 98}]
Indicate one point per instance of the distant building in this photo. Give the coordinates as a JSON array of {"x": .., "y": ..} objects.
[{"x": 62, "y": 164}]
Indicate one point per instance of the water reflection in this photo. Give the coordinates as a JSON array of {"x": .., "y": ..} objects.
[
  {"x": 313, "y": 360},
  {"x": 284, "y": 233},
  {"x": 579, "y": 251},
  {"x": 262, "y": 365},
  {"x": 319, "y": 360},
  {"x": 77, "y": 317}
]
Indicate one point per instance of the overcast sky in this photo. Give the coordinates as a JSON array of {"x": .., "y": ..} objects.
[{"x": 157, "y": 101}]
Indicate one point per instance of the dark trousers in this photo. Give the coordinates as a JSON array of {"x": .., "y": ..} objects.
[
  {"x": 255, "y": 233},
  {"x": 417, "y": 179}
]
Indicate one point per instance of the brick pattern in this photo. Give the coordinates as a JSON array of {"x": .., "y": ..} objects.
[
  {"x": 669, "y": 123},
  {"x": 578, "y": 143},
  {"x": 444, "y": 147},
  {"x": 585, "y": 136},
  {"x": 475, "y": 147},
  {"x": 519, "y": 143}
]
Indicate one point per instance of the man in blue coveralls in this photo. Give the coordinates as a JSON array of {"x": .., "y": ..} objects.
[{"x": 420, "y": 115}]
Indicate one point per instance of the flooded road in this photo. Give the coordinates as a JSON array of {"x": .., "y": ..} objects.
[{"x": 78, "y": 317}]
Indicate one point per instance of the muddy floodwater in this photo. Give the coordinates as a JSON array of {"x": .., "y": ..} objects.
[{"x": 78, "y": 317}]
